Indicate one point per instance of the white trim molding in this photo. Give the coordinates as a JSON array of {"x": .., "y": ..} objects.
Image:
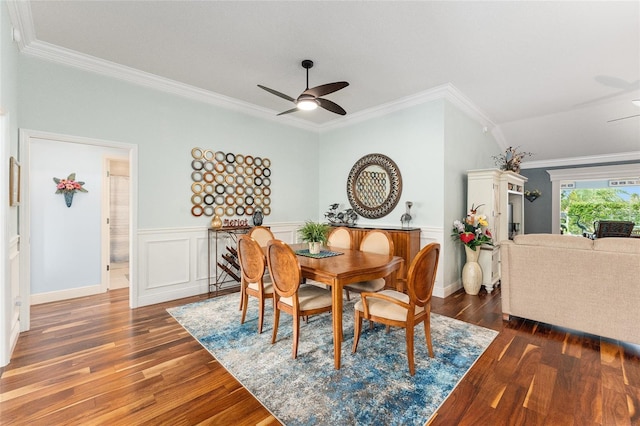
[
  {"x": 22, "y": 20},
  {"x": 574, "y": 161}
]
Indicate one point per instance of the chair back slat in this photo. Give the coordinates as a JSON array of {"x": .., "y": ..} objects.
[
  {"x": 422, "y": 274},
  {"x": 251, "y": 257},
  {"x": 261, "y": 234},
  {"x": 377, "y": 241},
  {"x": 284, "y": 268},
  {"x": 340, "y": 237}
]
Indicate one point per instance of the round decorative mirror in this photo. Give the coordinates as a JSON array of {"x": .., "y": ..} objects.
[{"x": 374, "y": 186}]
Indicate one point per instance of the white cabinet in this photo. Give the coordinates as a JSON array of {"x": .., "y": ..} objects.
[{"x": 499, "y": 195}]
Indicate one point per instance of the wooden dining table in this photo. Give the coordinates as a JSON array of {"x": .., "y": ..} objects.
[{"x": 337, "y": 271}]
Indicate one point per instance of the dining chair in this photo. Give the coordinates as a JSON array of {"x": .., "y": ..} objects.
[
  {"x": 261, "y": 234},
  {"x": 340, "y": 237},
  {"x": 289, "y": 296},
  {"x": 613, "y": 228},
  {"x": 253, "y": 281},
  {"x": 375, "y": 241},
  {"x": 394, "y": 308}
]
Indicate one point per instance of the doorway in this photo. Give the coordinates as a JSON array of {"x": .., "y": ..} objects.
[{"x": 118, "y": 176}]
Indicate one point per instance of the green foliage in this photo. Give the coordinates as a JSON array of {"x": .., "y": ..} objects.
[
  {"x": 314, "y": 232},
  {"x": 582, "y": 207}
]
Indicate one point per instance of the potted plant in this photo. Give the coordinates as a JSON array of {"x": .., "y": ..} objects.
[{"x": 315, "y": 234}]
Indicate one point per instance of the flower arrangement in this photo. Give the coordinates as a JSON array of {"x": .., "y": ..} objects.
[
  {"x": 532, "y": 195},
  {"x": 473, "y": 230},
  {"x": 510, "y": 160},
  {"x": 68, "y": 185}
]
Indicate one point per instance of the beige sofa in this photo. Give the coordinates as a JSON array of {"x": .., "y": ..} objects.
[{"x": 574, "y": 282}]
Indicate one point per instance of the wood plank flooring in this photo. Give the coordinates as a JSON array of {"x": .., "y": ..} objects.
[{"x": 94, "y": 361}]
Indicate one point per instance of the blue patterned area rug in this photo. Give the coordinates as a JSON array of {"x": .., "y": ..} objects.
[{"x": 373, "y": 386}]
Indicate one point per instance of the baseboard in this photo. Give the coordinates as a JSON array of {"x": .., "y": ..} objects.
[{"x": 71, "y": 293}]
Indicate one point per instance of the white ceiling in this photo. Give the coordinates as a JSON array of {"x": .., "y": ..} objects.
[{"x": 547, "y": 75}]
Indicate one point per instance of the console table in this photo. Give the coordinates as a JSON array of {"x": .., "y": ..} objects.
[
  {"x": 227, "y": 268},
  {"x": 406, "y": 242}
]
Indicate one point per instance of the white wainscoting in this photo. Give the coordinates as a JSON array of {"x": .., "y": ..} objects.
[
  {"x": 173, "y": 261},
  {"x": 14, "y": 280},
  {"x": 436, "y": 235}
]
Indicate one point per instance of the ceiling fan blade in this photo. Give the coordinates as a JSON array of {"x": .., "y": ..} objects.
[
  {"x": 275, "y": 92},
  {"x": 289, "y": 111},
  {"x": 325, "y": 89},
  {"x": 331, "y": 106},
  {"x": 623, "y": 118}
]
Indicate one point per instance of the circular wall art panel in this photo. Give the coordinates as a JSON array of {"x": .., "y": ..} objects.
[
  {"x": 208, "y": 177},
  {"x": 240, "y": 159},
  {"x": 208, "y": 210},
  {"x": 209, "y": 166},
  {"x": 196, "y": 153},
  {"x": 196, "y": 176},
  {"x": 208, "y": 155},
  {"x": 219, "y": 156},
  {"x": 197, "y": 165},
  {"x": 197, "y": 211},
  {"x": 196, "y": 187},
  {"x": 196, "y": 199},
  {"x": 230, "y": 211}
]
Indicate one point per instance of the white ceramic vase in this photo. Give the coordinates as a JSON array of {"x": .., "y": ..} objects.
[
  {"x": 314, "y": 247},
  {"x": 472, "y": 272}
]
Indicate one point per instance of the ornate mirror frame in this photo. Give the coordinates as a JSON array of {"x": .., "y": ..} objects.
[{"x": 374, "y": 186}]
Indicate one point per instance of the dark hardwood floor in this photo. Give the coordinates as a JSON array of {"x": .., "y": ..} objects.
[{"x": 93, "y": 361}]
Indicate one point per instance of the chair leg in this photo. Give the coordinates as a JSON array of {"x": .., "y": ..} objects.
[
  {"x": 409, "y": 336},
  {"x": 276, "y": 319},
  {"x": 427, "y": 333},
  {"x": 260, "y": 314},
  {"x": 244, "y": 301},
  {"x": 356, "y": 331},
  {"x": 241, "y": 296},
  {"x": 296, "y": 335},
  {"x": 347, "y": 294}
]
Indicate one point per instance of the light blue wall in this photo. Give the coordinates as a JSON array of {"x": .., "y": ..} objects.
[
  {"x": 467, "y": 147},
  {"x": 59, "y": 99},
  {"x": 412, "y": 138}
]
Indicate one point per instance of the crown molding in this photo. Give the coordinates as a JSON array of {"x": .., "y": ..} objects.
[
  {"x": 574, "y": 161},
  {"x": 20, "y": 15}
]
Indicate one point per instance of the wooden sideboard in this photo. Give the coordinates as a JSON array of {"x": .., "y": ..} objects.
[{"x": 406, "y": 242}]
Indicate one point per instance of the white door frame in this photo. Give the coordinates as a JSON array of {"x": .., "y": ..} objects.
[{"x": 25, "y": 213}]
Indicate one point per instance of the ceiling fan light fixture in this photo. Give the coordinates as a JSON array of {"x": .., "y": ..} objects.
[
  {"x": 636, "y": 102},
  {"x": 307, "y": 104}
]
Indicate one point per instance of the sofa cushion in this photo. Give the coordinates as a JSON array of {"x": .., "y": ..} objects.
[
  {"x": 554, "y": 240},
  {"x": 618, "y": 245}
]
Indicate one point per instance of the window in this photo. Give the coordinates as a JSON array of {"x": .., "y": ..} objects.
[{"x": 594, "y": 187}]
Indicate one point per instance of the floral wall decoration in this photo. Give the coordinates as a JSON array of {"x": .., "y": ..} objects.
[
  {"x": 68, "y": 187},
  {"x": 230, "y": 185},
  {"x": 511, "y": 159}
]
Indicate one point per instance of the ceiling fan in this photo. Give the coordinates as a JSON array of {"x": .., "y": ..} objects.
[{"x": 310, "y": 99}]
